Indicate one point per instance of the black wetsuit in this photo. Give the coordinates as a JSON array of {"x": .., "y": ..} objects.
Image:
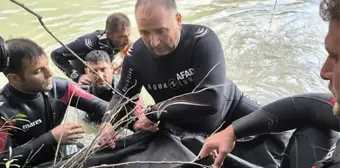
[
  {"x": 44, "y": 111},
  {"x": 105, "y": 95},
  {"x": 184, "y": 70},
  {"x": 311, "y": 115},
  {"x": 97, "y": 40}
]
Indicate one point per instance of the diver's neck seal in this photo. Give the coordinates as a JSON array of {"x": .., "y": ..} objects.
[{"x": 4, "y": 55}]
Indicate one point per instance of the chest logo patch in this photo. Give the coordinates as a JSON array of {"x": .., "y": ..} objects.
[
  {"x": 182, "y": 78},
  {"x": 31, "y": 124}
]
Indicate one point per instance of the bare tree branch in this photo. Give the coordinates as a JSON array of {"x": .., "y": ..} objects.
[
  {"x": 62, "y": 133},
  {"x": 151, "y": 162},
  {"x": 205, "y": 76}
]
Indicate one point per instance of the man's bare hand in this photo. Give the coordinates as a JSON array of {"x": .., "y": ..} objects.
[
  {"x": 219, "y": 145},
  {"x": 108, "y": 135},
  {"x": 84, "y": 80},
  {"x": 143, "y": 123},
  {"x": 68, "y": 133}
]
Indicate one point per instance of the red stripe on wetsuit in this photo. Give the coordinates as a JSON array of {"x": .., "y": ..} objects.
[
  {"x": 332, "y": 101},
  {"x": 4, "y": 134},
  {"x": 76, "y": 91}
]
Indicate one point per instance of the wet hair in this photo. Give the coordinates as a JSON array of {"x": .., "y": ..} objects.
[
  {"x": 117, "y": 21},
  {"x": 330, "y": 9},
  {"x": 21, "y": 49},
  {"x": 96, "y": 56},
  {"x": 167, "y": 4}
]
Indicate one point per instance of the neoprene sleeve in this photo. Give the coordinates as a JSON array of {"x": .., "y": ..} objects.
[{"x": 289, "y": 113}]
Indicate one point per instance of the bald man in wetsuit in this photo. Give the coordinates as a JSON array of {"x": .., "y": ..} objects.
[
  {"x": 171, "y": 59},
  {"x": 34, "y": 103}
]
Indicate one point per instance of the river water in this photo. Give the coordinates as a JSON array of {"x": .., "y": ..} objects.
[{"x": 269, "y": 53}]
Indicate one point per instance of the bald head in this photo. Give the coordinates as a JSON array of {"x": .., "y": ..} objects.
[
  {"x": 159, "y": 25},
  {"x": 166, "y": 4}
]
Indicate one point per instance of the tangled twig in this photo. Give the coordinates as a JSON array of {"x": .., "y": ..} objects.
[
  {"x": 59, "y": 141},
  {"x": 151, "y": 162}
]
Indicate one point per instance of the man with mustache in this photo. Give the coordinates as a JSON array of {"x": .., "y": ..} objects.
[
  {"x": 113, "y": 40},
  {"x": 314, "y": 141},
  {"x": 99, "y": 61},
  {"x": 172, "y": 60}
]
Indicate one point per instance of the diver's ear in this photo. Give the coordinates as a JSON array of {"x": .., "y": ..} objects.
[
  {"x": 87, "y": 71},
  {"x": 13, "y": 78},
  {"x": 179, "y": 19}
]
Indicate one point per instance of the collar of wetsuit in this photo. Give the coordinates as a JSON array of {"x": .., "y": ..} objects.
[
  {"x": 4, "y": 55},
  {"x": 113, "y": 47},
  {"x": 101, "y": 91},
  {"x": 25, "y": 96}
]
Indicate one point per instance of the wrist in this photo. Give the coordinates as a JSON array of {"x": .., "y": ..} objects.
[
  {"x": 53, "y": 137},
  {"x": 229, "y": 131}
]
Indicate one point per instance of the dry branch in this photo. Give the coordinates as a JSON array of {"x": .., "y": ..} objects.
[{"x": 151, "y": 162}]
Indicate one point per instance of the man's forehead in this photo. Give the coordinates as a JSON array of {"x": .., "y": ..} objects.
[
  {"x": 35, "y": 61},
  {"x": 154, "y": 21},
  {"x": 151, "y": 11},
  {"x": 123, "y": 31},
  {"x": 98, "y": 63},
  {"x": 332, "y": 40}
]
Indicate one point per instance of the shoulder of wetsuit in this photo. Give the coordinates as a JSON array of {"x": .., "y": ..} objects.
[
  {"x": 91, "y": 40},
  {"x": 200, "y": 32},
  {"x": 6, "y": 106},
  {"x": 60, "y": 85},
  {"x": 193, "y": 33}
]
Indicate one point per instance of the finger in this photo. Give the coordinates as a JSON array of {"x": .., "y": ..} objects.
[
  {"x": 155, "y": 128},
  {"x": 206, "y": 150},
  {"x": 87, "y": 79},
  {"x": 74, "y": 137},
  {"x": 75, "y": 126},
  {"x": 107, "y": 141},
  {"x": 112, "y": 143},
  {"x": 116, "y": 137},
  {"x": 150, "y": 128},
  {"x": 215, "y": 154},
  {"x": 69, "y": 142},
  {"x": 219, "y": 159},
  {"x": 77, "y": 131},
  {"x": 84, "y": 82},
  {"x": 137, "y": 126},
  {"x": 102, "y": 140}
]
